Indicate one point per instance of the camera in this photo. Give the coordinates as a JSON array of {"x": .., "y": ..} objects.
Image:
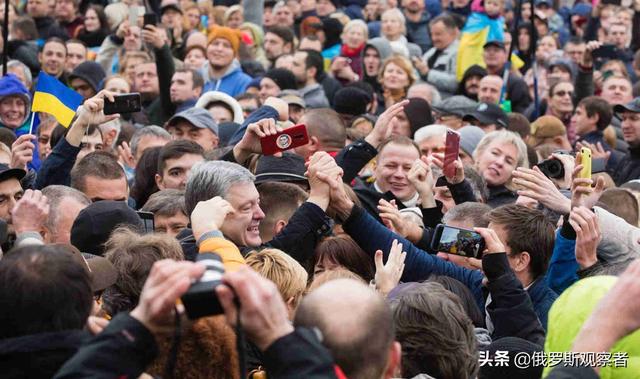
[
  {"x": 201, "y": 298},
  {"x": 552, "y": 168}
]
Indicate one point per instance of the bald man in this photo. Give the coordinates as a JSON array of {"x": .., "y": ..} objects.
[
  {"x": 490, "y": 89},
  {"x": 356, "y": 325}
]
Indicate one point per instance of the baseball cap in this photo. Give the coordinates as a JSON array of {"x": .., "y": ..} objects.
[
  {"x": 288, "y": 168},
  {"x": 170, "y": 4},
  {"x": 7, "y": 172},
  {"x": 94, "y": 224},
  {"x": 292, "y": 97},
  {"x": 495, "y": 43},
  {"x": 633, "y": 106},
  {"x": 488, "y": 114},
  {"x": 538, "y": 3},
  {"x": 198, "y": 117},
  {"x": 546, "y": 127},
  {"x": 470, "y": 137},
  {"x": 455, "y": 105},
  {"x": 101, "y": 272}
]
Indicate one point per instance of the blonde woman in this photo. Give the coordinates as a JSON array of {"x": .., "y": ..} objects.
[
  {"x": 395, "y": 78},
  {"x": 394, "y": 30},
  {"x": 497, "y": 155}
]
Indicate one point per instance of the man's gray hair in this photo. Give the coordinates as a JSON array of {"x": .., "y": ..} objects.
[
  {"x": 27, "y": 73},
  {"x": 165, "y": 203},
  {"x": 56, "y": 194},
  {"x": 151, "y": 130},
  {"x": 476, "y": 213},
  {"x": 433, "y": 130},
  {"x": 211, "y": 179}
]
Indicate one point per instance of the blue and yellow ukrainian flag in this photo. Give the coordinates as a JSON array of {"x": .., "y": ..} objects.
[
  {"x": 479, "y": 29},
  {"x": 53, "y": 97}
]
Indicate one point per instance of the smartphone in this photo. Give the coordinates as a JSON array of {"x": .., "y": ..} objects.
[
  {"x": 150, "y": 19},
  {"x": 147, "y": 221},
  {"x": 612, "y": 2},
  {"x": 605, "y": 52},
  {"x": 451, "y": 151},
  {"x": 463, "y": 242},
  {"x": 585, "y": 173},
  {"x": 127, "y": 103},
  {"x": 285, "y": 140}
]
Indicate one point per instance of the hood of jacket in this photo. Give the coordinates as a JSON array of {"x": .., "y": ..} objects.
[
  {"x": 233, "y": 68},
  {"x": 570, "y": 311},
  {"x": 10, "y": 85},
  {"x": 382, "y": 46},
  {"x": 214, "y": 96}
]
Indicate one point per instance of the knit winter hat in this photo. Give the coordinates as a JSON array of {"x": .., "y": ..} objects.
[
  {"x": 351, "y": 100},
  {"x": 232, "y": 35},
  {"x": 91, "y": 72},
  {"x": 282, "y": 77},
  {"x": 418, "y": 113},
  {"x": 10, "y": 85}
]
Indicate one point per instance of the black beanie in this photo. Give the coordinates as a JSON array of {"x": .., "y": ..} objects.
[
  {"x": 91, "y": 72},
  {"x": 282, "y": 77},
  {"x": 418, "y": 113},
  {"x": 351, "y": 100}
]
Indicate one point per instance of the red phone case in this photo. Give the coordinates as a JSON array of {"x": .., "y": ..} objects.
[
  {"x": 451, "y": 151},
  {"x": 285, "y": 140}
]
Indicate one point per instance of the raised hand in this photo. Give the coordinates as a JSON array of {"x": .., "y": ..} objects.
[
  {"x": 22, "y": 151},
  {"x": 154, "y": 36},
  {"x": 582, "y": 194},
  {"x": 383, "y": 127},
  {"x": 388, "y": 275},
  {"x": 588, "y": 235},
  {"x": 597, "y": 150},
  {"x": 492, "y": 242},
  {"x": 125, "y": 155},
  {"x": 421, "y": 177},
  {"x": 320, "y": 193},
  {"x": 250, "y": 142},
  {"x": 392, "y": 218},
  {"x": 167, "y": 281},
  {"x": 438, "y": 160},
  {"x": 91, "y": 111},
  {"x": 209, "y": 215},
  {"x": 534, "y": 184},
  {"x": 30, "y": 212}
]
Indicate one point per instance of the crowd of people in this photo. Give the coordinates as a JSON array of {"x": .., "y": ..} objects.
[{"x": 318, "y": 261}]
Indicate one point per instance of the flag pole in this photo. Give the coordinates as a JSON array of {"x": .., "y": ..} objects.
[
  {"x": 5, "y": 37},
  {"x": 33, "y": 117}
]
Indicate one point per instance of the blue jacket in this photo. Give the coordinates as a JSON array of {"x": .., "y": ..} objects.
[
  {"x": 370, "y": 235},
  {"x": 233, "y": 83},
  {"x": 563, "y": 267}
]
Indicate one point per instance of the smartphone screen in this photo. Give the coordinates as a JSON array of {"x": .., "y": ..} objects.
[
  {"x": 585, "y": 173},
  {"x": 451, "y": 151},
  {"x": 285, "y": 140},
  {"x": 147, "y": 221},
  {"x": 128, "y": 103},
  {"x": 463, "y": 242}
]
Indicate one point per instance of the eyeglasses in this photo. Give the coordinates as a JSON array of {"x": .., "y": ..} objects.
[{"x": 564, "y": 93}]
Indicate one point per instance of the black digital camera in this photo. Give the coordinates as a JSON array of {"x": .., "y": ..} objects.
[
  {"x": 201, "y": 298},
  {"x": 552, "y": 168}
]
